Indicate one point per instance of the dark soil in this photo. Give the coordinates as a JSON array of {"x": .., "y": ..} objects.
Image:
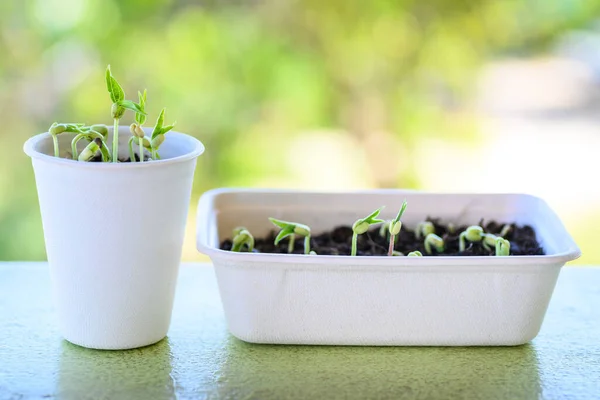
[
  {"x": 522, "y": 239},
  {"x": 98, "y": 158}
]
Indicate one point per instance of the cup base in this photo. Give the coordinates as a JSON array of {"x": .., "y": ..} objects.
[{"x": 114, "y": 346}]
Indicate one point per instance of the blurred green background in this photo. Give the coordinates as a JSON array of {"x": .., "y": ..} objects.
[{"x": 468, "y": 96}]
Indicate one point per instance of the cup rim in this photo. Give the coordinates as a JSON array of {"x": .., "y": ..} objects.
[{"x": 198, "y": 148}]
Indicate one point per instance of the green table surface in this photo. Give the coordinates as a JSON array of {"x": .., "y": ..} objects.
[{"x": 200, "y": 359}]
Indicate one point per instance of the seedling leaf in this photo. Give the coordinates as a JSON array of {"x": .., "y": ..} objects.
[
  {"x": 167, "y": 128},
  {"x": 279, "y": 223},
  {"x": 371, "y": 218},
  {"x": 159, "y": 124},
  {"x": 114, "y": 89},
  {"x": 402, "y": 209},
  {"x": 130, "y": 105},
  {"x": 139, "y": 117},
  {"x": 285, "y": 232}
]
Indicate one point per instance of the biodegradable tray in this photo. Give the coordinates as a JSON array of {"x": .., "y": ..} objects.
[{"x": 343, "y": 300}]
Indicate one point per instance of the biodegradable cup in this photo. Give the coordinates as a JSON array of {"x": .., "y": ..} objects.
[{"x": 114, "y": 235}]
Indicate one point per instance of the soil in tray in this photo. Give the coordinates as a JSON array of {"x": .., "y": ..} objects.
[{"x": 523, "y": 242}]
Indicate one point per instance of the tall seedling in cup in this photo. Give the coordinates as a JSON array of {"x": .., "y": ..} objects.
[
  {"x": 137, "y": 132},
  {"x": 158, "y": 134},
  {"x": 117, "y": 95}
]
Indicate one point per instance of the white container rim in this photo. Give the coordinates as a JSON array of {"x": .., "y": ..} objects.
[
  {"x": 196, "y": 145},
  {"x": 205, "y": 221}
]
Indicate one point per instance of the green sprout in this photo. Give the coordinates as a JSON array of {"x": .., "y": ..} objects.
[
  {"x": 502, "y": 247},
  {"x": 90, "y": 150},
  {"x": 56, "y": 129},
  {"x": 137, "y": 132},
  {"x": 434, "y": 240},
  {"x": 100, "y": 128},
  {"x": 100, "y": 132},
  {"x": 242, "y": 236},
  {"x": 489, "y": 241},
  {"x": 473, "y": 233},
  {"x": 451, "y": 228},
  {"x": 117, "y": 95},
  {"x": 238, "y": 229},
  {"x": 158, "y": 135},
  {"x": 312, "y": 253},
  {"x": 397, "y": 253},
  {"x": 91, "y": 133},
  {"x": 292, "y": 229},
  {"x": 415, "y": 253},
  {"x": 505, "y": 229},
  {"x": 394, "y": 228},
  {"x": 362, "y": 225},
  {"x": 424, "y": 228}
]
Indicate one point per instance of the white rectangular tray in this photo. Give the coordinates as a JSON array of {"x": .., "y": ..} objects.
[{"x": 343, "y": 300}]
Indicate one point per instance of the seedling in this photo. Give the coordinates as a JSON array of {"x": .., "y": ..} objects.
[
  {"x": 56, "y": 129},
  {"x": 158, "y": 134},
  {"x": 90, "y": 150},
  {"x": 505, "y": 229},
  {"x": 292, "y": 229},
  {"x": 415, "y": 253},
  {"x": 394, "y": 227},
  {"x": 137, "y": 132},
  {"x": 489, "y": 241},
  {"x": 117, "y": 95},
  {"x": 238, "y": 229},
  {"x": 424, "y": 228},
  {"x": 473, "y": 233},
  {"x": 434, "y": 240},
  {"x": 242, "y": 236},
  {"x": 451, "y": 228},
  {"x": 397, "y": 253},
  {"x": 502, "y": 247},
  {"x": 362, "y": 225},
  {"x": 91, "y": 133},
  {"x": 99, "y": 132}
]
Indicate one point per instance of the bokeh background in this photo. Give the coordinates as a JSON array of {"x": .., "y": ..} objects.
[{"x": 463, "y": 96}]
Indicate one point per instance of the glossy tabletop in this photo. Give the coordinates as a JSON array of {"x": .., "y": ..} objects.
[{"x": 199, "y": 359}]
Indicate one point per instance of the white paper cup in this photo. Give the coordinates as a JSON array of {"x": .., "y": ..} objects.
[{"x": 114, "y": 235}]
